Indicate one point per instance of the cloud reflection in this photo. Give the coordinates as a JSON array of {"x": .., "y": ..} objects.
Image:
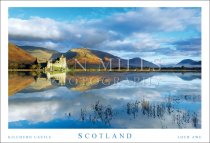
[{"x": 62, "y": 103}]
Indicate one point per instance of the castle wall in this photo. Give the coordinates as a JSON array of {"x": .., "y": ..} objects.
[{"x": 61, "y": 63}]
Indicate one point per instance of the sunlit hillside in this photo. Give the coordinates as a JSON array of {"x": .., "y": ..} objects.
[{"x": 19, "y": 56}]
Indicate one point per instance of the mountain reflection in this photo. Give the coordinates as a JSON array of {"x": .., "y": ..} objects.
[
  {"x": 18, "y": 81},
  {"x": 104, "y": 100},
  {"x": 32, "y": 82}
]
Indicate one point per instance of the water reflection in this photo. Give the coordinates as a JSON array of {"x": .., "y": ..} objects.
[
  {"x": 105, "y": 100},
  {"x": 140, "y": 109},
  {"x": 79, "y": 82},
  {"x": 99, "y": 113},
  {"x": 14, "y": 78}
]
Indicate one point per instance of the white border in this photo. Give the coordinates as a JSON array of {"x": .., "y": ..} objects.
[{"x": 139, "y": 135}]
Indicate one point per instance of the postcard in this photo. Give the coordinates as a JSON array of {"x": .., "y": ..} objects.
[{"x": 114, "y": 71}]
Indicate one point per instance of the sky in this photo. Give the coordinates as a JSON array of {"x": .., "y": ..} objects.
[{"x": 166, "y": 35}]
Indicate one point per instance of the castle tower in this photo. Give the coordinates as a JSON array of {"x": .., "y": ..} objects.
[
  {"x": 48, "y": 64},
  {"x": 62, "y": 61}
]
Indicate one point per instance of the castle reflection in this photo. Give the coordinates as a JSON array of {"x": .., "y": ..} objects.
[
  {"x": 33, "y": 82},
  {"x": 58, "y": 78}
]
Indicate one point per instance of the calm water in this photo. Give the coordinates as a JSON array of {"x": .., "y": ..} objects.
[{"x": 105, "y": 100}]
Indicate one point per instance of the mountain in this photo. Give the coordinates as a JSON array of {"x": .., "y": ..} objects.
[
  {"x": 92, "y": 59},
  {"x": 19, "y": 56},
  {"x": 136, "y": 62},
  {"x": 189, "y": 63},
  {"x": 42, "y": 54},
  {"x": 91, "y": 56},
  {"x": 81, "y": 54}
]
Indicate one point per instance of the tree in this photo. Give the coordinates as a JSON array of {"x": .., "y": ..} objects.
[
  {"x": 13, "y": 65},
  {"x": 39, "y": 66},
  {"x": 21, "y": 66},
  {"x": 33, "y": 66},
  {"x": 182, "y": 67}
]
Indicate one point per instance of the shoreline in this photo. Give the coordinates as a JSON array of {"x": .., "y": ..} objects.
[{"x": 93, "y": 70}]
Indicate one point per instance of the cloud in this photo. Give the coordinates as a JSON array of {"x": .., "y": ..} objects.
[
  {"x": 34, "y": 29},
  {"x": 188, "y": 47},
  {"x": 152, "y": 20},
  {"x": 137, "y": 41},
  {"x": 192, "y": 44},
  {"x": 137, "y": 45},
  {"x": 45, "y": 29},
  {"x": 135, "y": 31}
]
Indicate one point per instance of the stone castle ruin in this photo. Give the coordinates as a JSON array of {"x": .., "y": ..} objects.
[{"x": 58, "y": 64}]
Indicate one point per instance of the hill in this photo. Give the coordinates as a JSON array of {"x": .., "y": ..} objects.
[
  {"x": 136, "y": 62},
  {"x": 42, "y": 54},
  {"x": 92, "y": 59},
  {"x": 19, "y": 56},
  {"x": 189, "y": 63}
]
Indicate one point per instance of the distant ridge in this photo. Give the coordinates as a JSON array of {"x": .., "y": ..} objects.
[
  {"x": 42, "y": 54},
  {"x": 189, "y": 63},
  {"x": 92, "y": 58}
]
